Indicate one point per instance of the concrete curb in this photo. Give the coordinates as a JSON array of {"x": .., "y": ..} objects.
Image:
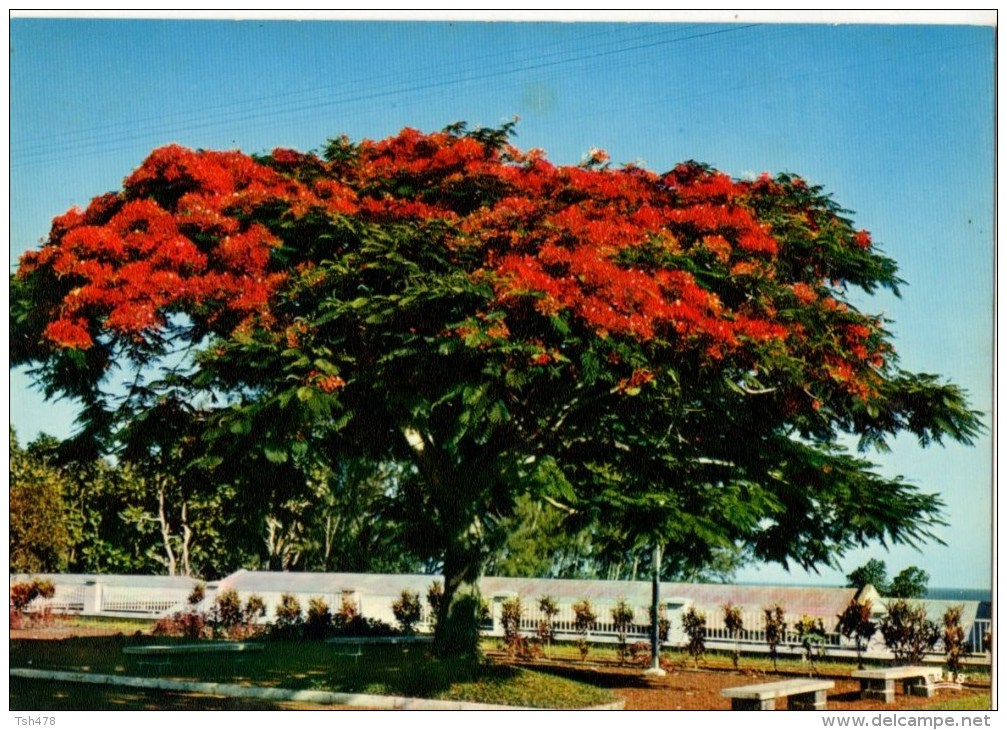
[{"x": 316, "y": 697}]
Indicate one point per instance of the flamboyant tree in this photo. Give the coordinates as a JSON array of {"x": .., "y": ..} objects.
[{"x": 674, "y": 355}]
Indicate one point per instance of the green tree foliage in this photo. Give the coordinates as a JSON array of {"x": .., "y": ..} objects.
[
  {"x": 874, "y": 572},
  {"x": 909, "y": 583},
  {"x": 674, "y": 355},
  {"x": 39, "y": 536}
]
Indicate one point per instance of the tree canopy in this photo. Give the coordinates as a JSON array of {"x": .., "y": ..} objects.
[{"x": 673, "y": 355}]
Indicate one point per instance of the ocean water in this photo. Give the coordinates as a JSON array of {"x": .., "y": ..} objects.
[{"x": 960, "y": 594}]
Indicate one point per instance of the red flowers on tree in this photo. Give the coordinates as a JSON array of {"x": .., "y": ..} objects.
[{"x": 674, "y": 350}]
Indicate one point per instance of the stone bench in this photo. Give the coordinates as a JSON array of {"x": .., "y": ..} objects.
[
  {"x": 879, "y": 684},
  {"x": 801, "y": 694},
  {"x": 352, "y": 646},
  {"x": 208, "y": 647},
  {"x": 160, "y": 654}
]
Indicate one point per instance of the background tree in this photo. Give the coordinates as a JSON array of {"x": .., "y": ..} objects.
[
  {"x": 39, "y": 538},
  {"x": 909, "y": 583},
  {"x": 874, "y": 572},
  {"x": 674, "y": 354}
]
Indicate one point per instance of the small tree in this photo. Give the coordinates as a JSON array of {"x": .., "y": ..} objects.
[
  {"x": 408, "y": 611},
  {"x": 622, "y": 619},
  {"x": 855, "y": 623},
  {"x": 811, "y": 632},
  {"x": 288, "y": 616},
  {"x": 435, "y": 597},
  {"x": 347, "y": 616},
  {"x": 511, "y": 611},
  {"x": 319, "y": 620},
  {"x": 908, "y": 633},
  {"x": 694, "y": 625},
  {"x": 196, "y": 596},
  {"x": 734, "y": 623},
  {"x": 954, "y": 639},
  {"x": 545, "y": 629},
  {"x": 776, "y": 630},
  {"x": 584, "y": 620}
]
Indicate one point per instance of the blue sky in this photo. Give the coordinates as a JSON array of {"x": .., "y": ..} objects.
[{"x": 897, "y": 121}]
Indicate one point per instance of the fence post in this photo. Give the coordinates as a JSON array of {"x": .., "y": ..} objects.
[{"x": 92, "y": 598}]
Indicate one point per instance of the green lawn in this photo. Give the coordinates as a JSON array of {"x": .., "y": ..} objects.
[{"x": 386, "y": 670}]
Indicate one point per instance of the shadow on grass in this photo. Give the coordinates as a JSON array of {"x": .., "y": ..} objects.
[{"x": 45, "y": 696}]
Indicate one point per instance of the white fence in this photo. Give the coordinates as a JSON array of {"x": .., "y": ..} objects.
[{"x": 150, "y": 600}]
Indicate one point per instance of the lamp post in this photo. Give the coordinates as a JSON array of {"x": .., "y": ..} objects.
[{"x": 655, "y": 616}]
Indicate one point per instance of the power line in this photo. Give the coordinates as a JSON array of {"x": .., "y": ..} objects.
[{"x": 97, "y": 145}]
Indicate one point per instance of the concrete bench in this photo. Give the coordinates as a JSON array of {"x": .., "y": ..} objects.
[
  {"x": 160, "y": 654},
  {"x": 879, "y": 684},
  {"x": 801, "y": 694}
]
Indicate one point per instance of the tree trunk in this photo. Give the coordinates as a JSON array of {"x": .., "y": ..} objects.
[
  {"x": 457, "y": 632},
  {"x": 162, "y": 516},
  {"x": 186, "y": 541}
]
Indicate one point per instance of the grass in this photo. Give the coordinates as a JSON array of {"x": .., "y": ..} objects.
[
  {"x": 385, "y": 670},
  {"x": 967, "y": 703},
  {"x": 838, "y": 666}
]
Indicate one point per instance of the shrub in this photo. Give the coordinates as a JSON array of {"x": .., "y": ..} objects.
[
  {"x": 197, "y": 595},
  {"x": 584, "y": 620},
  {"x": 734, "y": 623},
  {"x": 622, "y": 619},
  {"x": 954, "y": 639},
  {"x": 348, "y": 612},
  {"x": 287, "y": 623},
  {"x": 319, "y": 621},
  {"x": 511, "y": 611},
  {"x": 811, "y": 632},
  {"x": 188, "y": 624},
  {"x": 639, "y": 653},
  {"x": 22, "y": 594},
  {"x": 545, "y": 629},
  {"x": 855, "y": 623},
  {"x": 776, "y": 630},
  {"x": 361, "y": 626},
  {"x": 227, "y": 613},
  {"x": 255, "y": 608},
  {"x": 435, "y": 597},
  {"x": 694, "y": 625},
  {"x": 408, "y": 611},
  {"x": 907, "y": 631}
]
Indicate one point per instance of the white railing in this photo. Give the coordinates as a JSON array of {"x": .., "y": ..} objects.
[{"x": 141, "y": 601}]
